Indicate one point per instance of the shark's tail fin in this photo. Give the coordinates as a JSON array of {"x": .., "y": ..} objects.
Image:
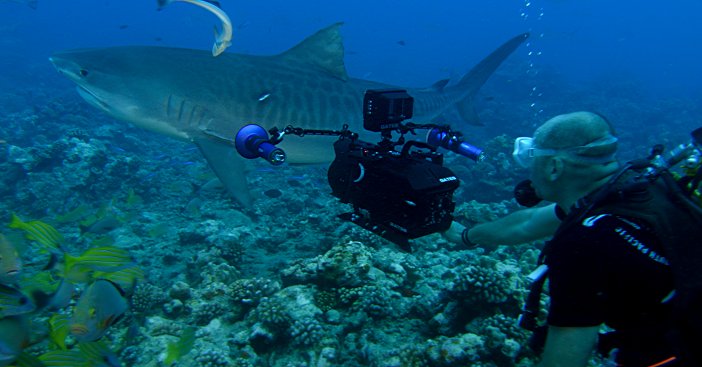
[{"x": 480, "y": 73}]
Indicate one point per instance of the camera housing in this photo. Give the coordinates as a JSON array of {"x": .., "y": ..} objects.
[{"x": 397, "y": 195}]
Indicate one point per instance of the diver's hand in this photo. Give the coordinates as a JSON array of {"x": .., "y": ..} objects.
[
  {"x": 458, "y": 233},
  {"x": 454, "y": 233}
]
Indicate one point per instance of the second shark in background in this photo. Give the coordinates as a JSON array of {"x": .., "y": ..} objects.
[{"x": 223, "y": 39}]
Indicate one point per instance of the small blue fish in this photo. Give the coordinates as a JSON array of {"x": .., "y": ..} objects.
[
  {"x": 117, "y": 149},
  {"x": 265, "y": 169},
  {"x": 102, "y": 226},
  {"x": 187, "y": 163}
]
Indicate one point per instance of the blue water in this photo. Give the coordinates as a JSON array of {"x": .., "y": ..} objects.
[
  {"x": 636, "y": 62},
  {"x": 654, "y": 42}
]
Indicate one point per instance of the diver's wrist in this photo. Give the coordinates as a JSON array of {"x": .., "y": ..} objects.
[{"x": 466, "y": 240}]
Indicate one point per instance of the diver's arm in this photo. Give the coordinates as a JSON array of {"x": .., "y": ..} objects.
[
  {"x": 522, "y": 226},
  {"x": 569, "y": 346}
]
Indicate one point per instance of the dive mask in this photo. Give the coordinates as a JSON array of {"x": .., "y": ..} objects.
[{"x": 525, "y": 151}]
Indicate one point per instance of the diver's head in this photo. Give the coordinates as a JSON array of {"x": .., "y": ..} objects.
[{"x": 569, "y": 155}]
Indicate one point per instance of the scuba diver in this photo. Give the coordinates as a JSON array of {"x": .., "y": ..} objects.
[{"x": 619, "y": 254}]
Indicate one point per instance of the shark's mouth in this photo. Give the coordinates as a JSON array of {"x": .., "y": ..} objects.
[{"x": 91, "y": 98}]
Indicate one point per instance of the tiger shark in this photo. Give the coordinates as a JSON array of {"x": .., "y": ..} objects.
[{"x": 189, "y": 95}]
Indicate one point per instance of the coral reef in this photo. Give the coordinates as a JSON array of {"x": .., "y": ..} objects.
[
  {"x": 487, "y": 282},
  {"x": 212, "y": 358},
  {"x": 146, "y": 297},
  {"x": 250, "y": 291},
  {"x": 342, "y": 266}
]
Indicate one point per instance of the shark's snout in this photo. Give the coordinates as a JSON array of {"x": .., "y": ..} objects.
[
  {"x": 53, "y": 61},
  {"x": 71, "y": 69},
  {"x": 64, "y": 66}
]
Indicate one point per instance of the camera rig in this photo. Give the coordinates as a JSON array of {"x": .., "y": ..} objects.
[{"x": 399, "y": 195}]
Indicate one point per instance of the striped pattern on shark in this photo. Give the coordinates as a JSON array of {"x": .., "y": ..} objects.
[{"x": 189, "y": 95}]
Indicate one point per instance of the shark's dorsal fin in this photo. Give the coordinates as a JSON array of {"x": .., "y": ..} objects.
[{"x": 323, "y": 49}]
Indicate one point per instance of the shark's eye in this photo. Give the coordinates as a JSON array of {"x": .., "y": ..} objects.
[{"x": 83, "y": 72}]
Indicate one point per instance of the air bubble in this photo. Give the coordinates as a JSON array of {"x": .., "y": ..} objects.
[{"x": 533, "y": 48}]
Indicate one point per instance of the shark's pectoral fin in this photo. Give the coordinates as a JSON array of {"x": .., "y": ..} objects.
[{"x": 228, "y": 166}]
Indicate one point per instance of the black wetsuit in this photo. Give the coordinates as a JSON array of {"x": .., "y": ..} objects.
[{"x": 610, "y": 270}]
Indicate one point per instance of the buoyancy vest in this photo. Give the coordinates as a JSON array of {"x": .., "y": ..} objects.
[{"x": 676, "y": 220}]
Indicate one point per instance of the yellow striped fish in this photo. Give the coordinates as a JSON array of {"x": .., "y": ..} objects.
[
  {"x": 176, "y": 350},
  {"x": 39, "y": 231},
  {"x": 58, "y": 330},
  {"x": 94, "y": 354},
  {"x": 106, "y": 259},
  {"x": 125, "y": 278}
]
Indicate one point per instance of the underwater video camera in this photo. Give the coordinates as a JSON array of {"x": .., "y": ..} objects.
[{"x": 399, "y": 195}]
